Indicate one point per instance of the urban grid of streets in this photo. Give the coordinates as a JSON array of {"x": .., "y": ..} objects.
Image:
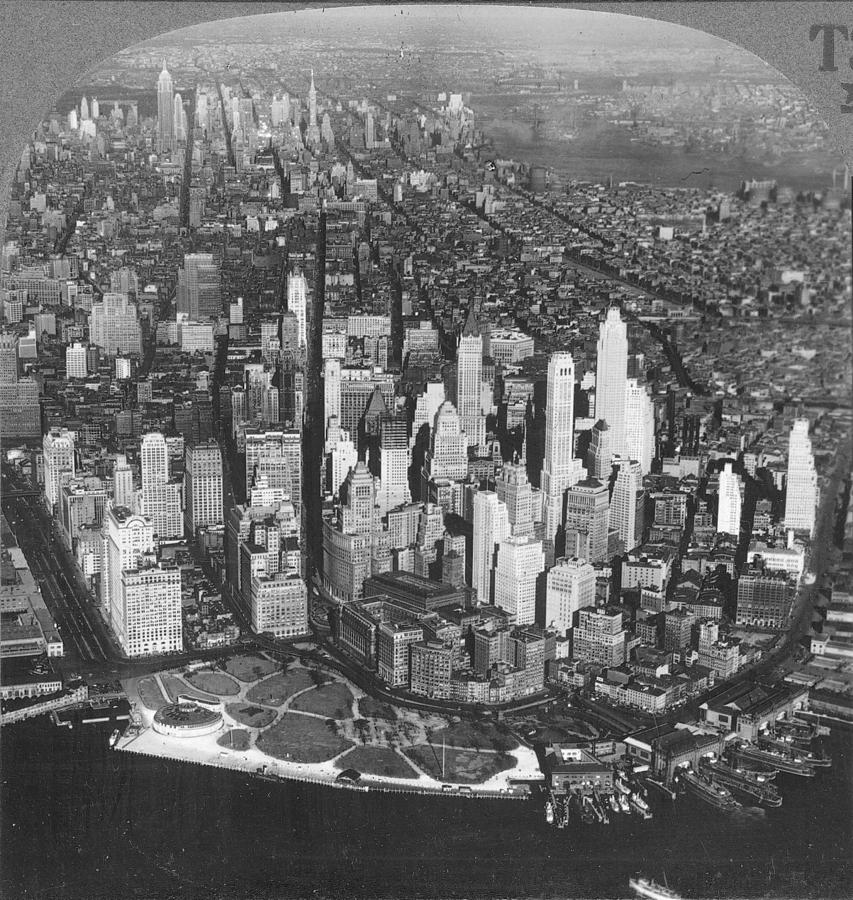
[{"x": 423, "y": 228}]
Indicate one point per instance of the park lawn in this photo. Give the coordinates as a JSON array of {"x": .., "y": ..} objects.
[
  {"x": 253, "y": 716},
  {"x": 273, "y": 691},
  {"x": 377, "y": 761},
  {"x": 213, "y": 683},
  {"x": 371, "y": 708},
  {"x": 480, "y": 735},
  {"x": 301, "y": 739},
  {"x": 250, "y": 667},
  {"x": 459, "y": 765},
  {"x": 150, "y": 693},
  {"x": 235, "y": 739},
  {"x": 334, "y": 701},
  {"x": 175, "y": 686}
]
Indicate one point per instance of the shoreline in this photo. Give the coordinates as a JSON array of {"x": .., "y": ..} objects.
[{"x": 203, "y": 749}]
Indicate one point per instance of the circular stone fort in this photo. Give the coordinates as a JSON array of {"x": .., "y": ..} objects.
[{"x": 186, "y": 720}]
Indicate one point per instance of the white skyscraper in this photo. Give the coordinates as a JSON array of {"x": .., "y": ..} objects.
[
  {"x": 154, "y": 456},
  {"x": 469, "y": 381},
  {"x": 126, "y": 537},
  {"x": 639, "y": 425},
  {"x": 801, "y": 490},
  {"x": 520, "y": 562},
  {"x": 559, "y": 469},
  {"x": 730, "y": 502},
  {"x": 123, "y": 495},
  {"x": 571, "y": 586},
  {"x": 393, "y": 464},
  {"x": 297, "y": 302},
  {"x": 610, "y": 378},
  {"x": 203, "y": 485},
  {"x": 491, "y": 526},
  {"x": 75, "y": 361},
  {"x": 625, "y": 517},
  {"x": 331, "y": 389},
  {"x": 165, "y": 111},
  {"x": 148, "y": 614},
  {"x": 58, "y": 451}
]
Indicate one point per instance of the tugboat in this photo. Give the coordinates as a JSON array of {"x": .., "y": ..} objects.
[
  {"x": 623, "y": 804},
  {"x": 640, "y": 806},
  {"x": 650, "y": 890},
  {"x": 114, "y": 738},
  {"x": 614, "y": 803},
  {"x": 549, "y": 812},
  {"x": 753, "y": 785}
]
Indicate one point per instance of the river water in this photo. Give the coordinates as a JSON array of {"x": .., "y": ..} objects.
[{"x": 81, "y": 821}]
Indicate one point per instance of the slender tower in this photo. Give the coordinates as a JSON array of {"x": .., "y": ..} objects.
[
  {"x": 801, "y": 490},
  {"x": 559, "y": 470},
  {"x": 469, "y": 381},
  {"x": 611, "y": 378},
  {"x": 165, "y": 110}
]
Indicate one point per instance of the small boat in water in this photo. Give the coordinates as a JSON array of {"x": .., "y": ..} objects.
[
  {"x": 114, "y": 737},
  {"x": 549, "y": 813},
  {"x": 650, "y": 890}
]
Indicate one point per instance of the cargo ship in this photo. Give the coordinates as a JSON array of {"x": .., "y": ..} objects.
[
  {"x": 753, "y": 785},
  {"x": 793, "y": 764},
  {"x": 708, "y": 790}
]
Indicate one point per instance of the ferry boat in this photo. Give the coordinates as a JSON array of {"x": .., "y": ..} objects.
[
  {"x": 650, "y": 890},
  {"x": 782, "y": 761},
  {"x": 114, "y": 737},
  {"x": 708, "y": 790},
  {"x": 749, "y": 783}
]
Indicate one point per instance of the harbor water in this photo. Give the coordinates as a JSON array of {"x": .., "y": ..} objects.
[{"x": 83, "y": 821}]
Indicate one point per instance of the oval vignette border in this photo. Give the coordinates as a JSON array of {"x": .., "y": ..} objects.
[{"x": 48, "y": 46}]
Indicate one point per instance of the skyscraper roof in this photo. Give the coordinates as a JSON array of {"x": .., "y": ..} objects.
[{"x": 472, "y": 326}]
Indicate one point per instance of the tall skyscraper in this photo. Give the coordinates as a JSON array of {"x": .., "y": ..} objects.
[
  {"x": 126, "y": 537},
  {"x": 393, "y": 464},
  {"x": 559, "y": 469},
  {"x": 313, "y": 134},
  {"x": 491, "y": 526},
  {"x": 587, "y": 520},
  {"x": 297, "y": 302},
  {"x": 75, "y": 361},
  {"x": 165, "y": 111},
  {"x": 276, "y": 456},
  {"x": 599, "y": 460},
  {"x": 611, "y": 378},
  {"x": 520, "y": 562},
  {"x": 730, "y": 502},
  {"x": 469, "y": 381},
  {"x": 154, "y": 457},
  {"x": 639, "y": 424},
  {"x": 514, "y": 490},
  {"x": 8, "y": 358},
  {"x": 801, "y": 489},
  {"x": 332, "y": 389},
  {"x": 58, "y": 451},
  {"x": 114, "y": 325},
  {"x": 571, "y": 587},
  {"x": 626, "y": 504},
  {"x": 359, "y": 500},
  {"x": 123, "y": 495},
  {"x": 203, "y": 486},
  {"x": 199, "y": 292},
  {"x": 446, "y": 461}
]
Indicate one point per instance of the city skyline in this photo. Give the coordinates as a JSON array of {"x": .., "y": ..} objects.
[{"x": 409, "y": 396}]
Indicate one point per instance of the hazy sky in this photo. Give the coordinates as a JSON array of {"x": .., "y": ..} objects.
[{"x": 498, "y": 25}]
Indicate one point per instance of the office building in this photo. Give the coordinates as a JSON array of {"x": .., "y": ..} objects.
[
  {"x": 513, "y": 489},
  {"x": 520, "y": 562},
  {"x": 147, "y": 618},
  {"x": 114, "y": 326},
  {"x": 393, "y": 464},
  {"x": 599, "y": 637},
  {"x": 199, "y": 292},
  {"x": 491, "y": 527},
  {"x": 59, "y": 461},
  {"x": 570, "y": 588},
  {"x": 801, "y": 489},
  {"x": 165, "y": 112},
  {"x": 297, "y": 303},
  {"x": 203, "y": 487},
  {"x": 446, "y": 460},
  {"x": 469, "y": 381},
  {"x": 587, "y": 520},
  {"x": 75, "y": 361},
  {"x": 627, "y": 504},
  {"x": 730, "y": 501},
  {"x": 559, "y": 468},
  {"x": 639, "y": 425},
  {"x": 611, "y": 377}
]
